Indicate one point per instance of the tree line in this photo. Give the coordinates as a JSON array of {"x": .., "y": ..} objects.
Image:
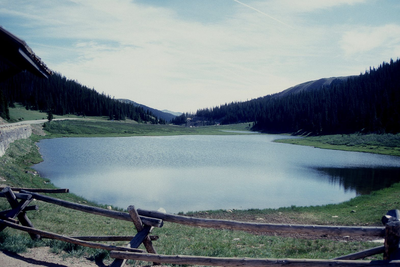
[
  {"x": 59, "y": 95},
  {"x": 366, "y": 103}
]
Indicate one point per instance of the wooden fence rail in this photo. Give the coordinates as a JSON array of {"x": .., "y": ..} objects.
[
  {"x": 220, "y": 261},
  {"x": 65, "y": 238},
  {"x": 143, "y": 224},
  {"x": 39, "y": 190},
  {"x": 145, "y": 220},
  {"x": 111, "y": 238},
  {"x": 266, "y": 227},
  {"x": 155, "y": 222},
  {"x": 362, "y": 254}
]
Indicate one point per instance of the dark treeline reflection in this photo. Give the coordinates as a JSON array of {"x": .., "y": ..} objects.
[{"x": 362, "y": 180}]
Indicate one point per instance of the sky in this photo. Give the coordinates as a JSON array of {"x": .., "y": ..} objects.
[{"x": 182, "y": 55}]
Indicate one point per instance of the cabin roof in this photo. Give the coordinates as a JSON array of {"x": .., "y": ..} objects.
[{"x": 20, "y": 56}]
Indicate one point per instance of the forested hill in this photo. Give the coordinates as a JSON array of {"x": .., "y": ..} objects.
[
  {"x": 62, "y": 96},
  {"x": 369, "y": 102},
  {"x": 160, "y": 114},
  {"x": 312, "y": 85}
]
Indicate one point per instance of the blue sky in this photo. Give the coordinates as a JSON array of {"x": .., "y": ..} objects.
[{"x": 185, "y": 55}]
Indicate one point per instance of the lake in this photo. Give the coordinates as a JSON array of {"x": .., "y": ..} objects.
[{"x": 193, "y": 173}]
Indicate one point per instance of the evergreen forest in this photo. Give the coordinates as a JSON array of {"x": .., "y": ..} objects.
[
  {"x": 368, "y": 103},
  {"x": 60, "y": 96}
]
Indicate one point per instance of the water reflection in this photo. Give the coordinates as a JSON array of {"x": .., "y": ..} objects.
[
  {"x": 187, "y": 173},
  {"x": 361, "y": 180}
]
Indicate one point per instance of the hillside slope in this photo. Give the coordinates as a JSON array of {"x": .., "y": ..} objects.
[
  {"x": 158, "y": 113},
  {"x": 368, "y": 103},
  {"x": 312, "y": 85}
]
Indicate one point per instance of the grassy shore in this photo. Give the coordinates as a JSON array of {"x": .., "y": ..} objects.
[
  {"x": 387, "y": 144},
  {"x": 15, "y": 170},
  {"x": 88, "y": 128}
]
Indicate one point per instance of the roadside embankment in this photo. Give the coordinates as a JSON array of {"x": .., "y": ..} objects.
[{"x": 9, "y": 133}]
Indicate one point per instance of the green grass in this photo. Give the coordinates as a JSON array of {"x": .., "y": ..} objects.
[
  {"x": 177, "y": 239},
  {"x": 184, "y": 240},
  {"x": 365, "y": 210},
  {"x": 387, "y": 144},
  {"x": 15, "y": 169},
  {"x": 88, "y": 128},
  {"x": 19, "y": 113}
]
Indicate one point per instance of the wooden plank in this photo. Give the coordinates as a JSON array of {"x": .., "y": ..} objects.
[
  {"x": 110, "y": 238},
  {"x": 216, "y": 261},
  {"x": 94, "y": 210},
  {"x": 7, "y": 219},
  {"x": 5, "y": 193},
  {"x": 362, "y": 254},
  {"x": 139, "y": 238},
  {"x": 67, "y": 239},
  {"x": 40, "y": 190},
  {"x": 135, "y": 243},
  {"x": 18, "y": 195},
  {"x": 139, "y": 227},
  {"x": 28, "y": 208},
  {"x": 266, "y": 227},
  {"x": 104, "y": 238},
  {"x": 17, "y": 210}
]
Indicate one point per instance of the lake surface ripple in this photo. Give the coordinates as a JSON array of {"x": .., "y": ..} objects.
[{"x": 192, "y": 173}]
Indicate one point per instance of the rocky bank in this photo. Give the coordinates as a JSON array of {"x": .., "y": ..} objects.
[{"x": 9, "y": 133}]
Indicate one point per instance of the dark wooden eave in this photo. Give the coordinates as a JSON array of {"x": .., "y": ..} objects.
[{"x": 19, "y": 56}]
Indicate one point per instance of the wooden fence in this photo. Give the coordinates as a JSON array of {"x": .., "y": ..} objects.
[{"x": 145, "y": 220}]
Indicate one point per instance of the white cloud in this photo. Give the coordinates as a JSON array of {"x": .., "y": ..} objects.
[
  {"x": 366, "y": 39},
  {"x": 295, "y": 6},
  {"x": 168, "y": 57},
  {"x": 151, "y": 55}
]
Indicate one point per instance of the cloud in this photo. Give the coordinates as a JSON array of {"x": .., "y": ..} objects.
[
  {"x": 263, "y": 13},
  {"x": 155, "y": 56},
  {"x": 295, "y": 6},
  {"x": 366, "y": 39}
]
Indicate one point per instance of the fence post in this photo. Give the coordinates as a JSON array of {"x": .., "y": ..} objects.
[
  {"x": 140, "y": 237},
  {"x": 392, "y": 235},
  {"x": 18, "y": 210},
  {"x": 139, "y": 227}
]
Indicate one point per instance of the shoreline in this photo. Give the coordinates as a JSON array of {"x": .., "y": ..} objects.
[
  {"x": 362, "y": 210},
  {"x": 384, "y": 144}
]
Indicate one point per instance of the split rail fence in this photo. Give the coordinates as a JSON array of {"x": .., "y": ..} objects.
[{"x": 144, "y": 221}]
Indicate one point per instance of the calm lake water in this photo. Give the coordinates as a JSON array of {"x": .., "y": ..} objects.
[{"x": 192, "y": 173}]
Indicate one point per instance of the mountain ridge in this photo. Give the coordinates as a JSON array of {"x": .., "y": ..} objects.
[
  {"x": 167, "y": 116},
  {"x": 312, "y": 85},
  {"x": 368, "y": 103}
]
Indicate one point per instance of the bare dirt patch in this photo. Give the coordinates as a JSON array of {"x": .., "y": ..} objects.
[{"x": 41, "y": 256}]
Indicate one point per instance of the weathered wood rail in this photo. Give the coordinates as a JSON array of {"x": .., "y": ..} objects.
[
  {"x": 145, "y": 220},
  {"x": 266, "y": 227},
  {"x": 76, "y": 241},
  {"x": 143, "y": 224},
  {"x": 39, "y": 190},
  {"x": 220, "y": 261},
  {"x": 155, "y": 222}
]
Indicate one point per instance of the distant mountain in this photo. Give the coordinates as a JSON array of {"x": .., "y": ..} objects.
[
  {"x": 165, "y": 115},
  {"x": 172, "y": 112}
]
